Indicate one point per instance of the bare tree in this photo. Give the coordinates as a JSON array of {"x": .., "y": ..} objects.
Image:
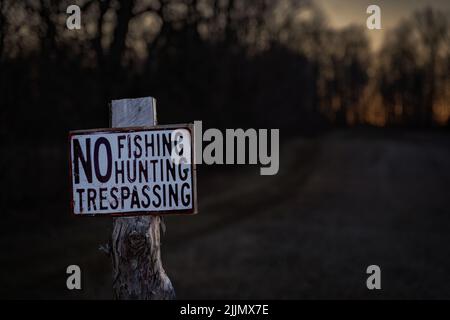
[
  {"x": 432, "y": 28},
  {"x": 412, "y": 67}
]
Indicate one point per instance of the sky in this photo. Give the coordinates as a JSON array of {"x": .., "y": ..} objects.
[{"x": 341, "y": 13}]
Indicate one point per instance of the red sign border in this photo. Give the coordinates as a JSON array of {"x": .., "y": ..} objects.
[{"x": 191, "y": 211}]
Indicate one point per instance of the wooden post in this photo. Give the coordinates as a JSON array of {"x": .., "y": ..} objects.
[{"x": 135, "y": 242}]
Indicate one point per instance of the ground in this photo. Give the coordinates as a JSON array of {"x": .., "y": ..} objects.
[{"x": 341, "y": 202}]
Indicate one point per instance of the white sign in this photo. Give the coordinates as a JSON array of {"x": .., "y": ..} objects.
[{"x": 133, "y": 171}]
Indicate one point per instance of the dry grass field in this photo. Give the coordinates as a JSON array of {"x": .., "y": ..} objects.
[{"x": 341, "y": 202}]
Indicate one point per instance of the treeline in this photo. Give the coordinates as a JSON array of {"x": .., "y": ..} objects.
[{"x": 257, "y": 63}]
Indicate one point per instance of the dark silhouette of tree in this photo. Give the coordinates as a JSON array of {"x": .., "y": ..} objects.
[
  {"x": 413, "y": 68},
  {"x": 432, "y": 28},
  {"x": 2, "y": 27},
  {"x": 350, "y": 66},
  {"x": 218, "y": 60}
]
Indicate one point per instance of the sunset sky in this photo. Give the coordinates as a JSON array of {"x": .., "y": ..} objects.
[{"x": 344, "y": 12}]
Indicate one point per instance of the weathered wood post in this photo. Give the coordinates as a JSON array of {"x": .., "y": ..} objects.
[{"x": 135, "y": 242}]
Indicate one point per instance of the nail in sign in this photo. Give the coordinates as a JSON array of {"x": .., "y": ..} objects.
[{"x": 133, "y": 171}]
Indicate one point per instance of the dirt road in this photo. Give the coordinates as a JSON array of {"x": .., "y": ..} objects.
[{"x": 340, "y": 203}]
